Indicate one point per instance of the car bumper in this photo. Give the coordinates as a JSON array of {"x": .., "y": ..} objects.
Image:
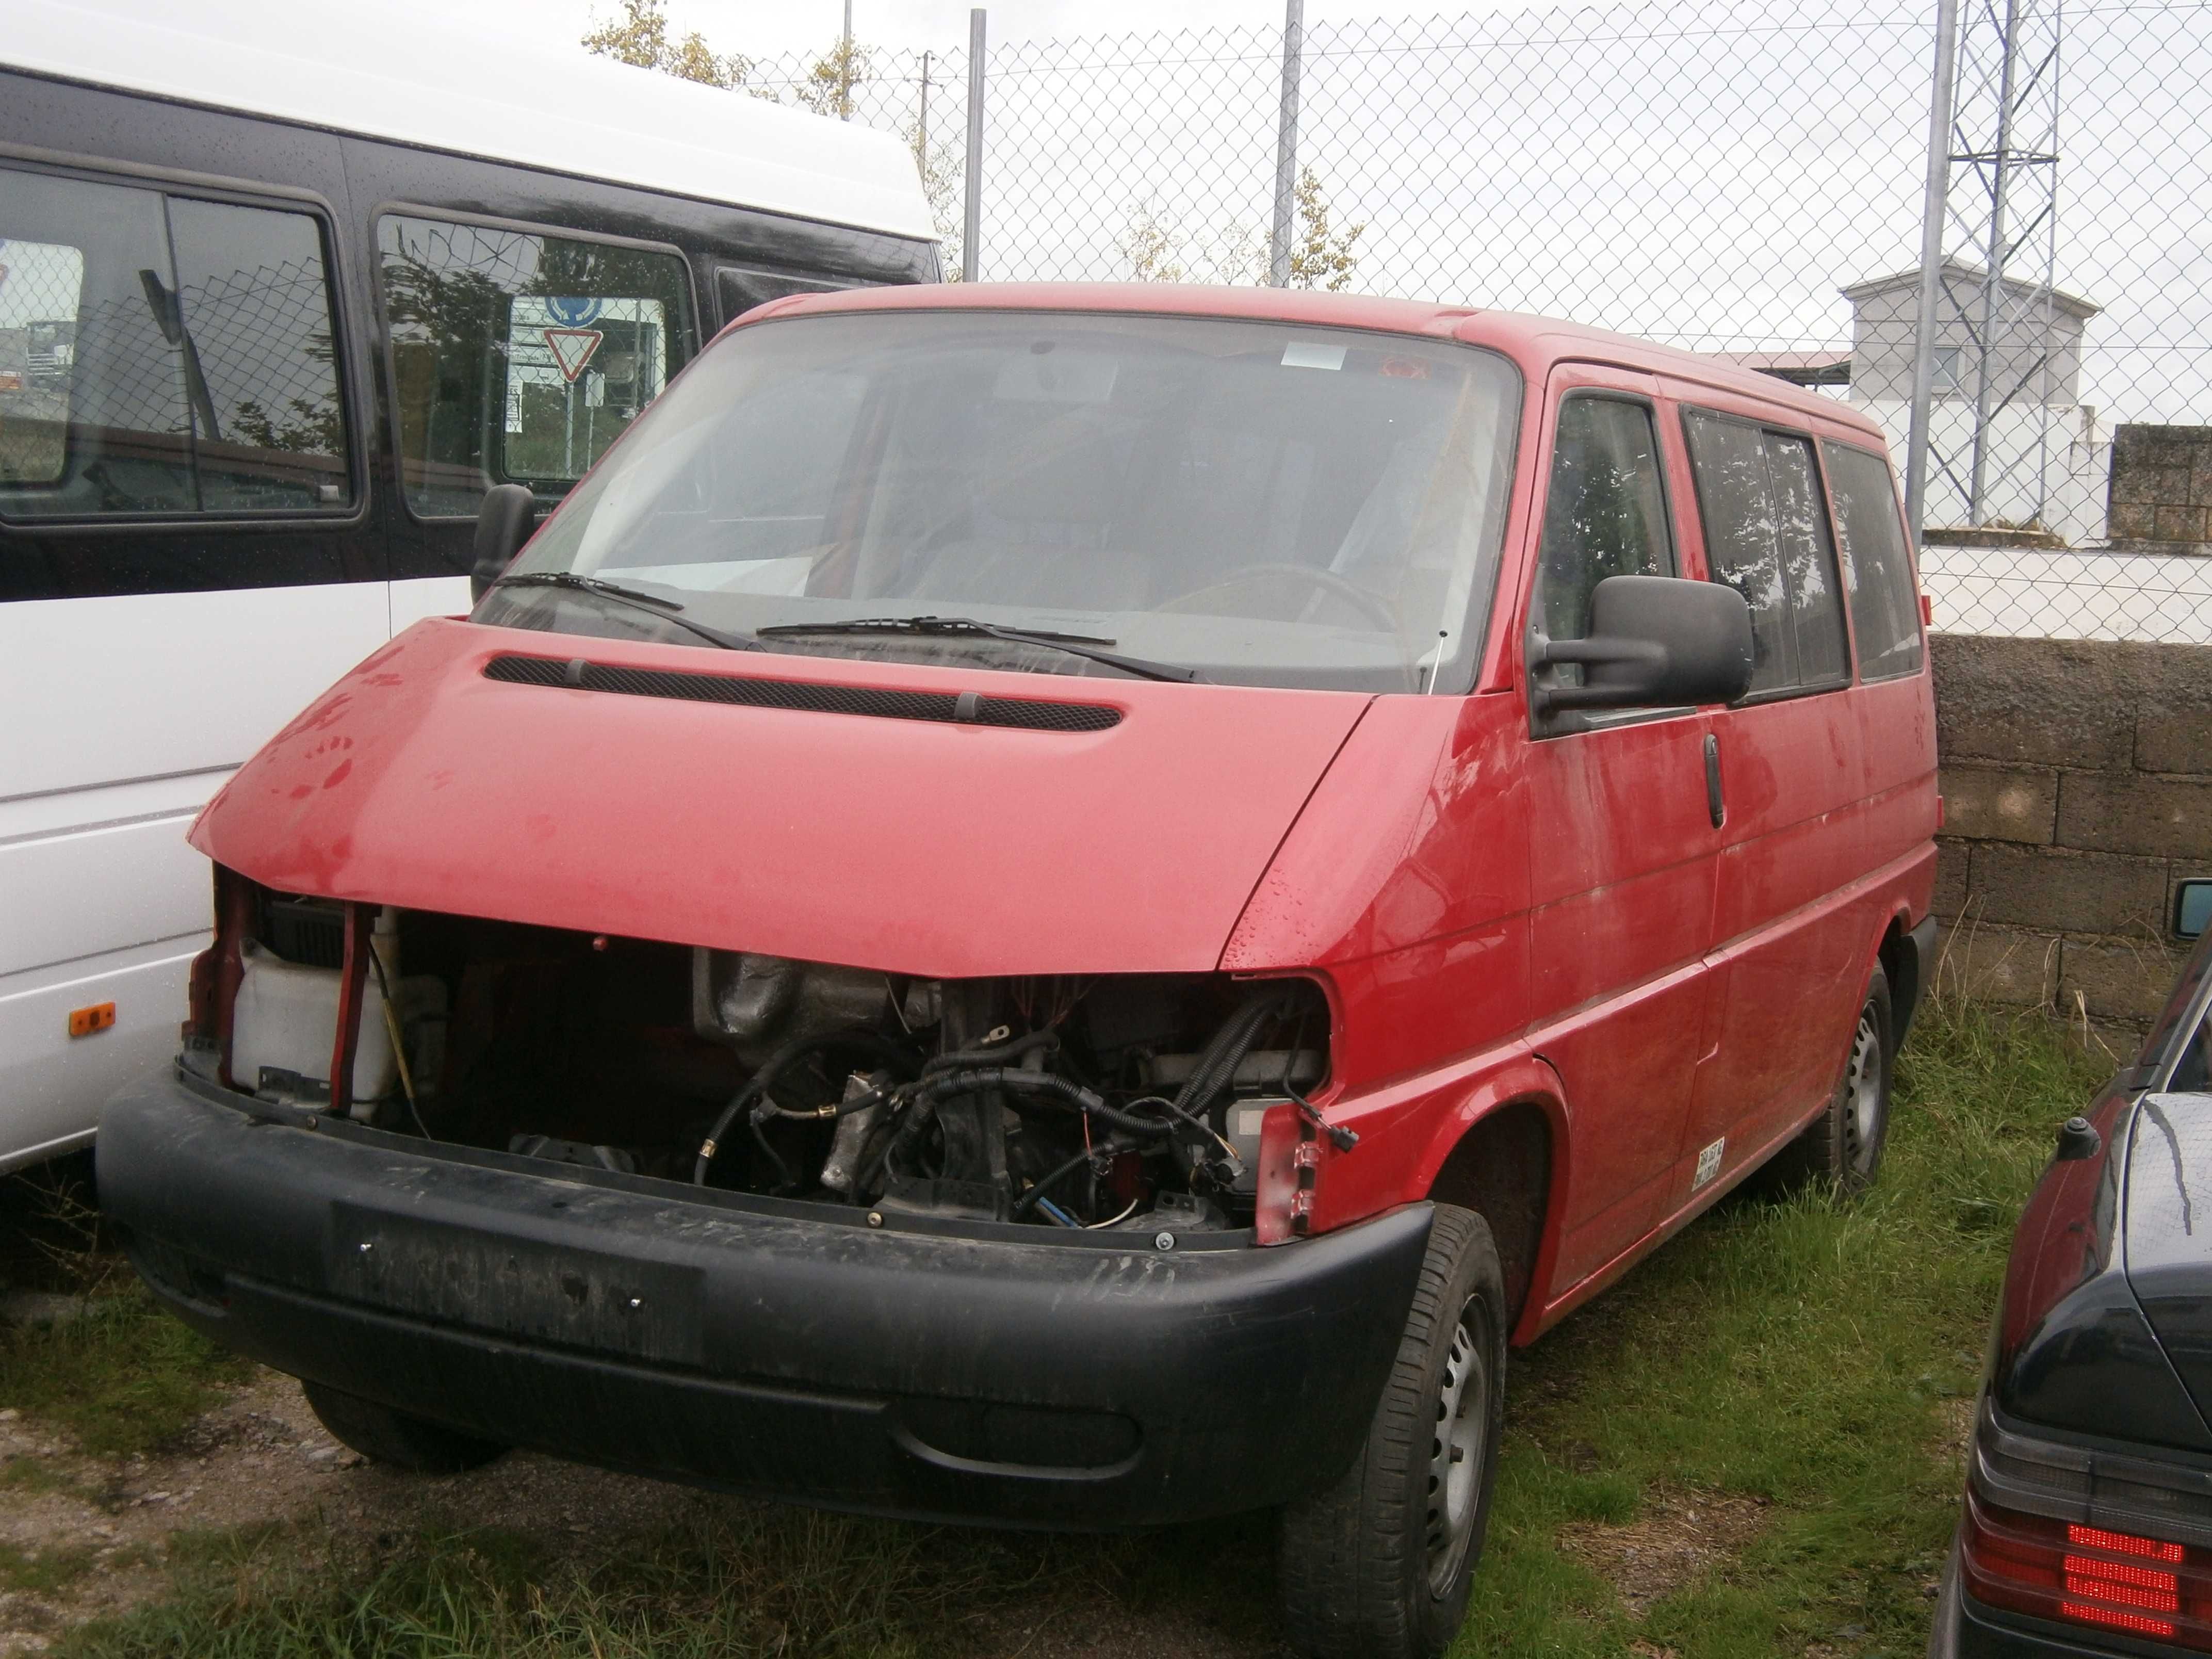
[{"x": 914, "y": 1368}]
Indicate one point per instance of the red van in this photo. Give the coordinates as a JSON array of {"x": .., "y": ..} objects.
[{"x": 1066, "y": 907}]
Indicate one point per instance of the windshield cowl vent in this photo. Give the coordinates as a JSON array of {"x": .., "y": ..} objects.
[{"x": 876, "y": 702}]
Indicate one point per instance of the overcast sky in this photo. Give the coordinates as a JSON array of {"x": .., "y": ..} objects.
[{"x": 749, "y": 26}]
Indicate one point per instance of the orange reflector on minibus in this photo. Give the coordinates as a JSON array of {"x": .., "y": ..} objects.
[{"x": 83, "y": 1022}]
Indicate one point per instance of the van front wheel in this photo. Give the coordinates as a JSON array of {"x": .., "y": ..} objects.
[
  {"x": 394, "y": 1438},
  {"x": 1377, "y": 1565}
]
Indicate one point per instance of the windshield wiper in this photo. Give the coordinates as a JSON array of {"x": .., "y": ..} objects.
[
  {"x": 1075, "y": 645},
  {"x": 569, "y": 581}
]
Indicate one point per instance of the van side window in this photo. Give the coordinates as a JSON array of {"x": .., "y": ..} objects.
[
  {"x": 131, "y": 382},
  {"x": 1766, "y": 536},
  {"x": 1605, "y": 514},
  {"x": 1877, "y": 568},
  {"x": 519, "y": 357}
]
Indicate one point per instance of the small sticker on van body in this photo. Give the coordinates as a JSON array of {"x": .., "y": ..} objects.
[{"x": 1708, "y": 1164}]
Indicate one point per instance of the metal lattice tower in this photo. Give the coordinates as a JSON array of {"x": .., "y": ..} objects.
[{"x": 1989, "y": 367}]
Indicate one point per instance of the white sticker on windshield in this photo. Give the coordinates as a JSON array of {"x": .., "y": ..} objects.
[
  {"x": 1709, "y": 1162},
  {"x": 1312, "y": 354}
]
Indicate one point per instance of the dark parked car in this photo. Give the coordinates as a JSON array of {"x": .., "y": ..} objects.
[{"x": 2088, "y": 1526}]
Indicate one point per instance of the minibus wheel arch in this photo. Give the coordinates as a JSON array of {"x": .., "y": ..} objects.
[{"x": 1502, "y": 1169}]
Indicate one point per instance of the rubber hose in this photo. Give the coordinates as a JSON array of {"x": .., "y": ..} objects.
[
  {"x": 1219, "y": 1064},
  {"x": 759, "y": 1082},
  {"x": 1044, "y": 1083},
  {"x": 991, "y": 1056}
]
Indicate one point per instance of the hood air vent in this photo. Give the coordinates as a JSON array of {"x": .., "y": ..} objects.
[{"x": 949, "y": 708}]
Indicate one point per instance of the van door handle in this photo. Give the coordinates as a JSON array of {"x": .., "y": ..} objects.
[{"x": 1714, "y": 805}]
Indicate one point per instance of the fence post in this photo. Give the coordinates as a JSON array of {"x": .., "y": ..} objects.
[
  {"x": 845, "y": 67},
  {"x": 971, "y": 222},
  {"x": 1286, "y": 147},
  {"x": 1934, "y": 206}
]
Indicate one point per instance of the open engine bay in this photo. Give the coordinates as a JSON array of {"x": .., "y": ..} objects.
[{"x": 1101, "y": 1102}]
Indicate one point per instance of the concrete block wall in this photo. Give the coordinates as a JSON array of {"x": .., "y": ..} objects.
[
  {"x": 2161, "y": 488},
  {"x": 2078, "y": 789}
]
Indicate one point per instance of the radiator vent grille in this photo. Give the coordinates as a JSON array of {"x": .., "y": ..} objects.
[{"x": 877, "y": 702}]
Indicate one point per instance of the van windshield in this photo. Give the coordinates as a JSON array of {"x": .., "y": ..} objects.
[{"x": 1248, "y": 502}]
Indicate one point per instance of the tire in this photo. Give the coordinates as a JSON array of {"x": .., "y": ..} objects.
[
  {"x": 1844, "y": 1144},
  {"x": 1374, "y": 1566},
  {"x": 395, "y": 1439}
]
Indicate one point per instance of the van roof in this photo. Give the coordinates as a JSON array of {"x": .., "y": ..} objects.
[
  {"x": 1525, "y": 337},
  {"x": 388, "y": 70}
]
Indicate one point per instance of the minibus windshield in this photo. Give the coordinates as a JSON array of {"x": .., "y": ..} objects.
[{"x": 1246, "y": 502}]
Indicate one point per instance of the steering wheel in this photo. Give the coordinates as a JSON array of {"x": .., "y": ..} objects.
[{"x": 1369, "y": 604}]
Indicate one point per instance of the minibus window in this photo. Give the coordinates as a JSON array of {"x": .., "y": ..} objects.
[
  {"x": 98, "y": 422},
  {"x": 1767, "y": 537},
  {"x": 1877, "y": 569},
  {"x": 1606, "y": 514},
  {"x": 39, "y": 287},
  {"x": 130, "y": 384},
  {"x": 579, "y": 367},
  {"x": 259, "y": 313},
  {"x": 518, "y": 358}
]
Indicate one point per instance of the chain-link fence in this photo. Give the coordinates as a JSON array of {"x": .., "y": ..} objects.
[{"x": 1743, "y": 177}]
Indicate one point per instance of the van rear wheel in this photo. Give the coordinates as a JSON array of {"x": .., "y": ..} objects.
[
  {"x": 394, "y": 1438},
  {"x": 1378, "y": 1565},
  {"x": 1844, "y": 1144}
]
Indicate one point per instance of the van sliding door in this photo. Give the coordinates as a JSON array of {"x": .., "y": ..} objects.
[{"x": 1791, "y": 948}]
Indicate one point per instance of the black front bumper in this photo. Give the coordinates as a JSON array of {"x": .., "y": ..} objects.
[{"x": 934, "y": 1370}]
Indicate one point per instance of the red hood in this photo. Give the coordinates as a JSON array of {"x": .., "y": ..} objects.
[{"x": 947, "y": 851}]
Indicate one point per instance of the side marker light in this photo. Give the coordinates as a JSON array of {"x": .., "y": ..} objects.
[{"x": 83, "y": 1022}]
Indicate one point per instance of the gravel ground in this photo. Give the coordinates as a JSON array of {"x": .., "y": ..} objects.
[{"x": 102, "y": 1528}]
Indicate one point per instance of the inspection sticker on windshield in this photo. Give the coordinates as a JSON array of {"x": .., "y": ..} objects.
[
  {"x": 1708, "y": 1164},
  {"x": 1312, "y": 354}
]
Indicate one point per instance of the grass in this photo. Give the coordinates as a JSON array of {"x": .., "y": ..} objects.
[
  {"x": 120, "y": 1375},
  {"x": 1797, "y": 1353}
]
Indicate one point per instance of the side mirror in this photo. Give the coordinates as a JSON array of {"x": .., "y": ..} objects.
[
  {"x": 2193, "y": 907},
  {"x": 1655, "y": 642},
  {"x": 503, "y": 524}
]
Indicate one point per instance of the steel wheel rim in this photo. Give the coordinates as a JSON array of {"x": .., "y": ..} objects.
[
  {"x": 1456, "y": 1446},
  {"x": 1862, "y": 1103}
]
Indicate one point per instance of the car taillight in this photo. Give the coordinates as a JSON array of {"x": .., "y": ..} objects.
[
  {"x": 2081, "y": 1535},
  {"x": 2062, "y": 1569}
]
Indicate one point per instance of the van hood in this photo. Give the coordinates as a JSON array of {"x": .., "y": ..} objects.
[{"x": 669, "y": 804}]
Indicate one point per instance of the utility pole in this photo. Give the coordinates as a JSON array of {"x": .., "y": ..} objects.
[
  {"x": 1286, "y": 147},
  {"x": 971, "y": 224}
]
